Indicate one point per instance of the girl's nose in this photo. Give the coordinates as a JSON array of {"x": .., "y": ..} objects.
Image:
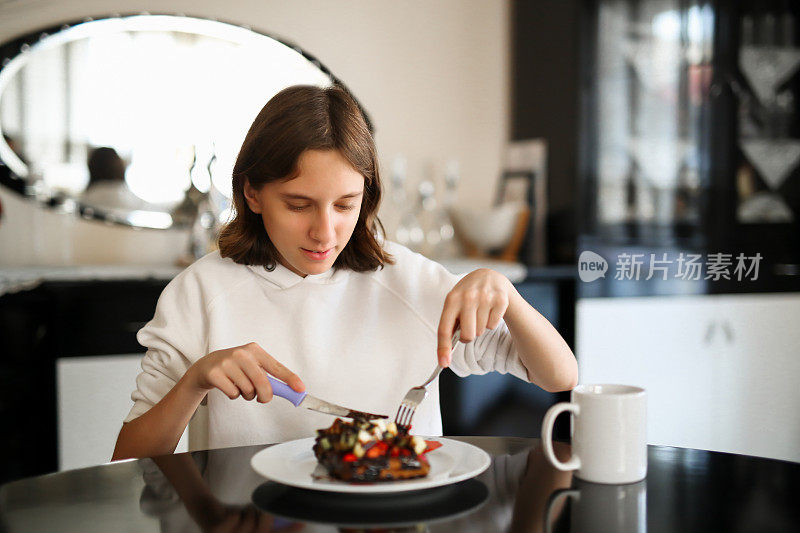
[{"x": 322, "y": 229}]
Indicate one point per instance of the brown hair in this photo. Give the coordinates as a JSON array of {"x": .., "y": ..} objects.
[{"x": 300, "y": 118}]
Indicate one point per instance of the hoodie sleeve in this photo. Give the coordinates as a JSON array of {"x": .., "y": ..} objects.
[
  {"x": 427, "y": 284},
  {"x": 492, "y": 351},
  {"x": 174, "y": 339}
]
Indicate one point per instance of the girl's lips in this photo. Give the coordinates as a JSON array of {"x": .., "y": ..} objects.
[{"x": 317, "y": 256}]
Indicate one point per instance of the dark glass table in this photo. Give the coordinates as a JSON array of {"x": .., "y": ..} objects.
[{"x": 217, "y": 490}]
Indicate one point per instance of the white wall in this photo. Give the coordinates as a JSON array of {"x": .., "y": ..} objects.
[{"x": 434, "y": 77}]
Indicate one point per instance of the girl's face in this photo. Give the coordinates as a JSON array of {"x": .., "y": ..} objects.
[{"x": 310, "y": 218}]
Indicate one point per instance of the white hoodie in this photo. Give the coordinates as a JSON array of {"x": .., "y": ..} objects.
[{"x": 360, "y": 340}]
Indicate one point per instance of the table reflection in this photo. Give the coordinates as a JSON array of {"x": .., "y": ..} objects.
[
  {"x": 685, "y": 491},
  {"x": 218, "y": 491}
]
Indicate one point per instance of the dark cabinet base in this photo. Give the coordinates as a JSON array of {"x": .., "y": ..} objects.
[{"x": 39, "y": 326}]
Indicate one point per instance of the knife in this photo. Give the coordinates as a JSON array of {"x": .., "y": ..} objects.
[{"x": 303, "y": 399}]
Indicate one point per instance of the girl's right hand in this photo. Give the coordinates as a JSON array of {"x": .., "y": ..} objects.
[{"x": 241, "y": 371}]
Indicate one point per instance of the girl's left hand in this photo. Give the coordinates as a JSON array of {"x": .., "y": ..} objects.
[{"x": 478, "y": 302}]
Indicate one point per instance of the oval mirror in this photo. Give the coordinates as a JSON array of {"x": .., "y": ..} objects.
[{"x": 137, "y": 120}]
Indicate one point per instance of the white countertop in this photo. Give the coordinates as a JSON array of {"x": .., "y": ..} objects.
[
  {"x": 515, "y": 272},
  {"x": 14, "y": 279}
]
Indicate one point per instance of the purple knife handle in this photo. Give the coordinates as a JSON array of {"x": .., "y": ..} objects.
[{"x": 279, "y": 388}]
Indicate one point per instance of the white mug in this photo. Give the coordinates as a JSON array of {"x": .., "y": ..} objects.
[
  {"x": 596, "y": 507},
  {"x": 609, "y": 433}
]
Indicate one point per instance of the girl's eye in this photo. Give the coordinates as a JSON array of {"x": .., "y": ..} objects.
[{"x": 304, "y": 207}]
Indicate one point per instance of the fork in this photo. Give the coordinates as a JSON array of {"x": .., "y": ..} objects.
[{"x": 415, "y": 395}]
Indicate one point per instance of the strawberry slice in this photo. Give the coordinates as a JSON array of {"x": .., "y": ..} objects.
[
  {"x": 432, "y": 445},
  {"x": 377, "y": 450}
]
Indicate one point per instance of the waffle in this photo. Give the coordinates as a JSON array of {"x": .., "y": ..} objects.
[{"x": 369, "y": 451}]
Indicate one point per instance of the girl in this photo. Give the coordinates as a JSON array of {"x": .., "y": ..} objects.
[{"x": 303, "y": 286}]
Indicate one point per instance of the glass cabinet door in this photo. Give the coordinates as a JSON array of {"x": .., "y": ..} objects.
[
  {"x": 765, "y": 84},
  {"x": 691, "y": 134},
  {"x": 757, "y": 158},
  {"x": 652, "y": 68}
]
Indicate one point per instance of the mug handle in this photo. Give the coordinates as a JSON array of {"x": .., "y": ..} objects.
[
  {"x": 551, "y": 502},
  {"x": 547, "y": 435}
]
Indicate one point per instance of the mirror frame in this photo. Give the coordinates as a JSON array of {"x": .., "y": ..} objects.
[{"x": 18, "y": 47}]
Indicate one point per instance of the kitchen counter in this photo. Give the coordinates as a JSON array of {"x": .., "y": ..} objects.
[
  {"x": 25, "y": 278},
  {"x": 15, "y": 279}
]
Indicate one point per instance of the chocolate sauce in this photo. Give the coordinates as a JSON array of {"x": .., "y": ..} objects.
[{"x": 361, "y": 415}]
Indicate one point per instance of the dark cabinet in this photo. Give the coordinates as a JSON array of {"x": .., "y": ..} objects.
[
  {"x": 27, "y": 386},
  {"x": 545, "y": 68},
  {"x": 690, "y": 141},
  {"x": 53, "y": 321}
]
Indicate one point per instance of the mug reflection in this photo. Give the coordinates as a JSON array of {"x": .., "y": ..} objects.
[{"x": 600, "y": 507}]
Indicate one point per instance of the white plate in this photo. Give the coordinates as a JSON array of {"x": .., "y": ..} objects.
[{"x": 293, "y": 463}]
